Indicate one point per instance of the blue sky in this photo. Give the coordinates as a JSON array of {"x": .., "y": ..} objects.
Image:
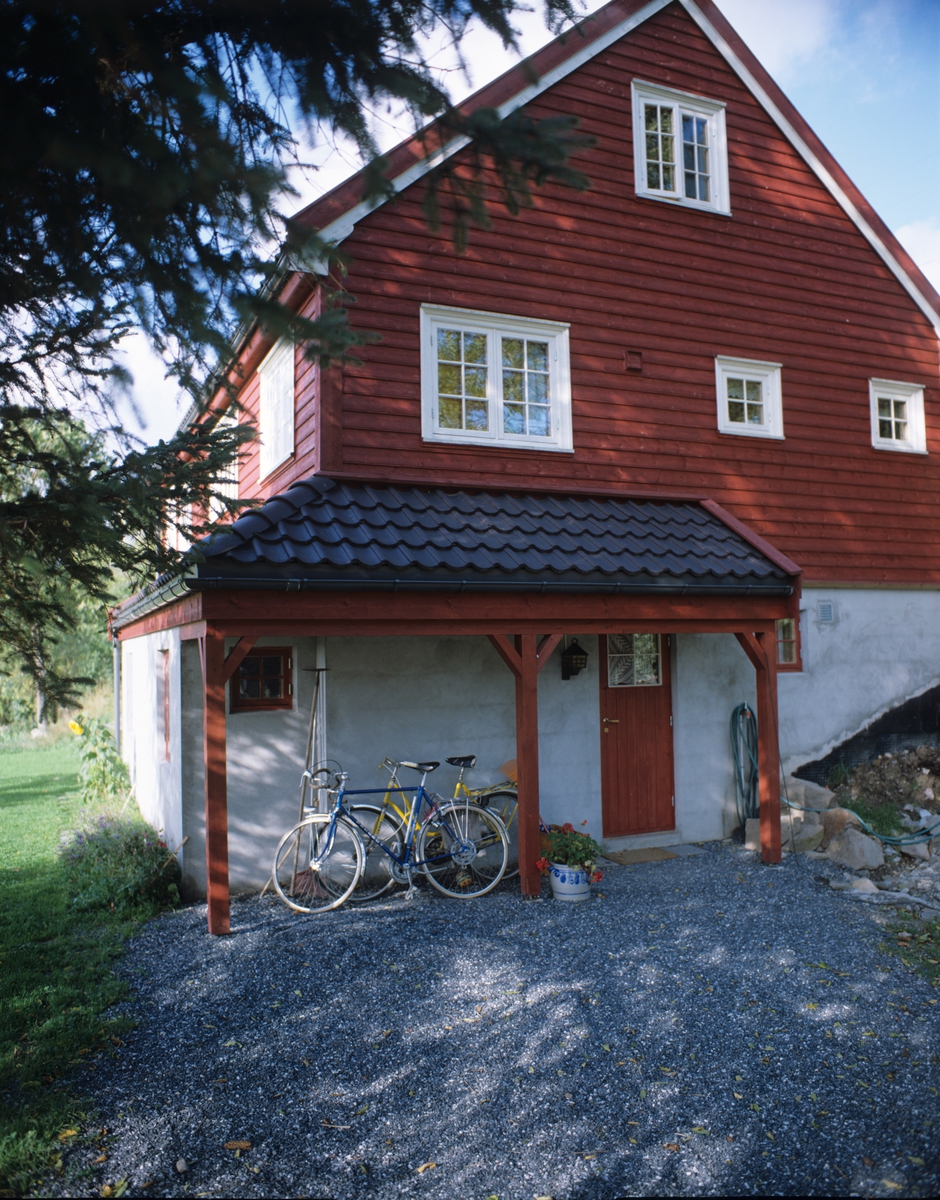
[{"x": 864, "y": 73}]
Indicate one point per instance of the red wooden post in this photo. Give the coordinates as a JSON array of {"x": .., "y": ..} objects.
[
  {"x": 527, "y": 763},
  {"x": 768, "y": 752},
  {"x": 761, "y": 649},
  {"x": 216, "y": 787}
]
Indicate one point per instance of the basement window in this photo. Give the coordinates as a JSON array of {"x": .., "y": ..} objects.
[
  {"x": 494, "y": 380},
  {"x": 897, "y": 416},
  {"x": 264, "y": 680},
  {"x": 789, "y": 657},
  {"x": 680, "y": 148}
]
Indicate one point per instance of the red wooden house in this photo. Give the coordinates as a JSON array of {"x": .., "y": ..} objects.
[{"x": 690, "y": 417}]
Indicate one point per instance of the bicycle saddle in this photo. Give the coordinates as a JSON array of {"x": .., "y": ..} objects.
[
  {"x": 467, "y": 760},
  {"x": 421, "y": 766}
]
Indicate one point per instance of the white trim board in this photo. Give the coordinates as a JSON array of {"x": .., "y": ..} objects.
[{"x": 341, "y": 228}]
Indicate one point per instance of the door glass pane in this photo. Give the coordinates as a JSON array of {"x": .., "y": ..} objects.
[{"x": 633, "y": 660}]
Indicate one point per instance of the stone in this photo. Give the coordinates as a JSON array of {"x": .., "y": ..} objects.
[
  {"x": 854, "y": 849},
  {"x": 807, "y": 794},
  {"x": 182, "y": 1166},
  {"x": 934, "y": 844},
  {"x": 916, "y": 850},
  {"x": 834, "y": 821},
  {"x": 752, "y": 834},
  {"x": 808, "y": 839},
  {"x": 929, "y": 793},
  {"x": 863, "y": 885}
]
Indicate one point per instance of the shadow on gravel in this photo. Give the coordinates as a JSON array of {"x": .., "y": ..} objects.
[{"x": 709, "y": 1027}]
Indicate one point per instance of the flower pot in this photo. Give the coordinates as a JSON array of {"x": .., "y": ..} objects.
[{"x": 569, "y": 883}]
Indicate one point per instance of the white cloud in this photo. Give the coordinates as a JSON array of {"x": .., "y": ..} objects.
[
  {"x": 921, "y": 239},
  {"x": 784, "y": 35}
]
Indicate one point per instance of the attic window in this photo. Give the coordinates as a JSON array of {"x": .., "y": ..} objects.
[
  {"x": 680, "y": 151},
  {"x": 897, "y": 416},
  {"x": 494, "y": 380},
  {"x": 264, "y": 680},
  {"x": 276, "y": 408}
]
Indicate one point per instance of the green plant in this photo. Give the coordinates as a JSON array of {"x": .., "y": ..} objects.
[
  {"x": 120, "y": 863},
  {"x": 571, "y": 848},
  {"x": 103, "y": 772},
  {"x": 837, "y": 776},
  {"x": 882, "y": 815}
]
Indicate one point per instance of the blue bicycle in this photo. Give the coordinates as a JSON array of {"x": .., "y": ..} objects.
[{"x": 462, "y": 848}]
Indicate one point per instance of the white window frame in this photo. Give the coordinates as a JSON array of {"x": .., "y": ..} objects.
[
  {"x": 276, "y": 407},
  {"x": 495, "y": 326},
  {"x": 769, "y": 376},
  {"x": 913, "y": 394},
  {"x": 713, "y": 111}
]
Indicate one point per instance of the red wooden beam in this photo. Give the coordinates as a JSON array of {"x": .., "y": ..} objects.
[
  {"x": 217, "y": 885},
  {"x": 237, "y": 655},
  {"x": 506, "y": 652},
  {"x": 546, "y": 648},
  {"x": 527, "y": 763}
]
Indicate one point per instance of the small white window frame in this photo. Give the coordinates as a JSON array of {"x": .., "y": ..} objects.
[
  {"x": 769, "y": 374},
  {"x": 494, "y": 326},
  {"x": 682, "y": 102},
  {"x": 276, "y": 407},
  {"x": 913, "y": 394}
]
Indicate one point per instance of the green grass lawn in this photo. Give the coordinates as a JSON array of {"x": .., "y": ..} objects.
[{"x": 55, "y": 965}]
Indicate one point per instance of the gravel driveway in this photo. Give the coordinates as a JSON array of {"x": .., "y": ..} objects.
[{"x": 708, "y": 1026}]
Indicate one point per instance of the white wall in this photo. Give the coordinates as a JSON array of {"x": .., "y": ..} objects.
[
  {"x": 156, "y": 779},
  {"x": 434, "y": 697},
  {"x": 882, "y": 648}
]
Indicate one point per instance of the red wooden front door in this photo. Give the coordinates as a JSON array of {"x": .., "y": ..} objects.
[{"x": 637, "y": 788}]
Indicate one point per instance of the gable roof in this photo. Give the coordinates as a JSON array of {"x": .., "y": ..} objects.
[{"x": 336, "y": 214}]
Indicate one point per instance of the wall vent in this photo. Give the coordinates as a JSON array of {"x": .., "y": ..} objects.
[{"x": 826, "y": 612}]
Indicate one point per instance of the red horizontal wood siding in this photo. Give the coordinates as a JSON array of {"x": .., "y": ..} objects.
[{"x": 787, "y": 278}]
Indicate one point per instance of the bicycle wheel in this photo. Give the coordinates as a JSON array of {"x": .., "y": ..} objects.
[
  {"x": 387, "y": 826},
  {"x": 505, "y": 805},
  {"x": 317, "y": 864},
  {"x": 463, "y": 850}
]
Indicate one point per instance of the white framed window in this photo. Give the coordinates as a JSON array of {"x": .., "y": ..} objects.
[
  {"x": 491, "y": 379},
  {"x": 897, "y": 416},
  {"x": 276, "y": 415},
  {"x": 634, "y": 660},
  {"x": 680, "y": 148},
  {"x": 749, "y": 397}
]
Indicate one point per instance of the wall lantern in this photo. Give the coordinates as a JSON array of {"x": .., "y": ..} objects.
[{"x": 573, "y": 660}]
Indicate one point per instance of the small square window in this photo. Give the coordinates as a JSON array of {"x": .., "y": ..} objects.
[
  {"x": 749, "y": 397},
  {"x": 492, "y": 379},
  {"x": 264, "y": 680},
  {"x": 680, "y": 148},
  {"x": 788, "y": 645},
  {"x": 897, "y": 416},
  {"x": 633, "y": 660}
]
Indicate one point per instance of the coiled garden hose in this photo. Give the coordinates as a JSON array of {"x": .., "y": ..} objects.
[
  {"x": 744, "y": 753},
  {"x": 746, "y": 783}
]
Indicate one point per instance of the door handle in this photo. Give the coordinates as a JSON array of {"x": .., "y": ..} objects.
[{"x": 611, "y": 720}]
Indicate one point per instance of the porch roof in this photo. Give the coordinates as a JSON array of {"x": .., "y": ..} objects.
[{"x": 325, "y": 534}]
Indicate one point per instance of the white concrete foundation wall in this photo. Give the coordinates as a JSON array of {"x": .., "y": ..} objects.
[
  {"x": 881, "y": 648},
  {"x": 156, "y": 778}
]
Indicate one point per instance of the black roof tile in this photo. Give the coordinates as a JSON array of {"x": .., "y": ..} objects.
[{"x": 322, "y": 533}]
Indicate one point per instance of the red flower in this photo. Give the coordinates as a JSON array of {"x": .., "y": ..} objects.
[
  {"x": 542, "y": 865},
  {"x": 567, "y": 827},
  {"x": 597, "y": 877}
]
